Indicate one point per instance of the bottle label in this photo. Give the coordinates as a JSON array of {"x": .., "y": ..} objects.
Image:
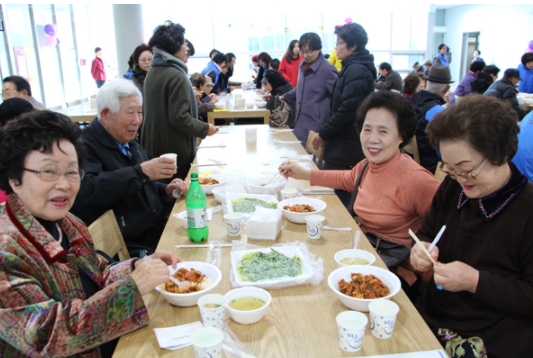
[{"x": 197, "y": 218}]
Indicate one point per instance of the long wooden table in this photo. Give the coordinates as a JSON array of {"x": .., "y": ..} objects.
[
  {"x": 243, "y": 113},
  {"x": 301, "y": 319}
]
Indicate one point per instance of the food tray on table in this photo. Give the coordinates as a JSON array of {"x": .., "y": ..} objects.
[
  {"x": 278, "y": 266},
  {"x": 245, "y": 203}
]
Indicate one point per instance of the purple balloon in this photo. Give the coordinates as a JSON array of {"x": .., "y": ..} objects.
[
  {"x": 531, "y": 45},
  {"x": 50, "y": 30}
]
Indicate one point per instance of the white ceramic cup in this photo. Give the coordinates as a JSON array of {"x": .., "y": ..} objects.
[
  {"x": 352, "y": 327},
  {"x": 207, "y": 342},
  {"x": 289, "y": 193},
  {"x": 382, "y": 317},
  {"x": 172, "y": 156},
  {"x": 233, "y": 223},
  {"x": 314, "y": 226},
  {"x": 213, "y": 316},
  {"x": 251, "y": 134}
]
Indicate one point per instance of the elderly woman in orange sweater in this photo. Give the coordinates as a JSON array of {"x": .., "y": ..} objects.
[{"x": 395, "y": 192}]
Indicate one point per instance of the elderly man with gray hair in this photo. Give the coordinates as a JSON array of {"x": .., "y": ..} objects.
[
  {"x": 119, "y": 174},
  {"x": 427, "y": 104}
]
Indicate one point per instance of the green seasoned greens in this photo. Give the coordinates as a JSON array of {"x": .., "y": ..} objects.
[
  {"x": 257, "y": 266},
  {"x": 247, "y": 205}
]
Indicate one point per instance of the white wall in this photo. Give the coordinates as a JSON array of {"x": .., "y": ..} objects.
[{"x": 505, "y": 32}]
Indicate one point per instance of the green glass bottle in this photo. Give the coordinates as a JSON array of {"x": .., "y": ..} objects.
[{"x": 195, "y": 201}]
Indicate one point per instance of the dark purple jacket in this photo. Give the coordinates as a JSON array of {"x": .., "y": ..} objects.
[{"x": 312, "y": 96}]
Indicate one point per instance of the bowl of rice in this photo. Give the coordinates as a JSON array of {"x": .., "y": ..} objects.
[{"x": 199, "y": 279}]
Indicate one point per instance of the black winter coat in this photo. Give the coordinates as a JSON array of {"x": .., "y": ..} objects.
[
  {"x": 504, "y": 89},
  {"x": 423, "y": 101},
  {"x": 354, "y": 83},
  {"x": 114, "y": 181}
]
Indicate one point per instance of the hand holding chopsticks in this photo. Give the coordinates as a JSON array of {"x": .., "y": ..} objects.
[{"x": 422, "y": 245}]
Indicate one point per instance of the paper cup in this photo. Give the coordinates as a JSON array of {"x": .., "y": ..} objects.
[
  {"x": 314, "y": 226},
  {"x": 207, "y": 342},
  {"x": 251, "y": 134},
  {"x": 351, "y": 326},
  {"x": 213, "y": 310},
  {"x": 172, "y": 156},
  {"x": 382, "y": 318},
  {"x": 233, "y": 223},
  {"x": 289, "y": 193}
]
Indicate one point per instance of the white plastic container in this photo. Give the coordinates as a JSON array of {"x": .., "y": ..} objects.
[{"x": 264, "y": 224}]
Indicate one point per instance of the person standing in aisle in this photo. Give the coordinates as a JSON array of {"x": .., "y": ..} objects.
[{"x": 98, "y": 68}]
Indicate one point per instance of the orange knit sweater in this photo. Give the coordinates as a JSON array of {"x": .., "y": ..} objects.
[{"x": 393, "y": 197}]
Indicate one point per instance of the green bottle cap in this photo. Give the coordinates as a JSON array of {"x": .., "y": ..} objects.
[{"x": 194, "y": 175}]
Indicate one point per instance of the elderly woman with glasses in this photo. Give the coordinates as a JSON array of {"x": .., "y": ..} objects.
[
  {"x": 482, "y": 284},
  {"x": 57, "y": 297}
]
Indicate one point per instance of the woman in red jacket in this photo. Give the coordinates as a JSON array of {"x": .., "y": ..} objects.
[{"x": 290, "y": 62}]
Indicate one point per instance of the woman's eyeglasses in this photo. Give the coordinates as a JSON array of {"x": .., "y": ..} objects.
[
  {"x": 54, "y": 174},
  {"x": 146, "y": 59},
  {"x": 473, "y": 173}
]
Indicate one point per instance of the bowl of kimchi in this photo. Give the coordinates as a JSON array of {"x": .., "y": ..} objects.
[
  {"x": 296, "y": 209},
  {"x": 358, "y": 285},
  {"x": 197, "y": 278}
]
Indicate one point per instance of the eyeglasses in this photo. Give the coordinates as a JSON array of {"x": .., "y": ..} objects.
[
  {"x": 146, "y": 59},
  {"x": 338, "y": 43},
  {"x": 8, "y": 93},
  {"x": 306, "y": 52},
  {"x": 473, "y": 174},
  {"x": 54, "y": 174}
]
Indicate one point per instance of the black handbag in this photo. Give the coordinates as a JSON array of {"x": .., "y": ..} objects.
[{"x": 392, "y": 254}]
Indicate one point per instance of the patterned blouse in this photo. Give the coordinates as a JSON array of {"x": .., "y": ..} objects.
[{"x": 43, "y": 308}]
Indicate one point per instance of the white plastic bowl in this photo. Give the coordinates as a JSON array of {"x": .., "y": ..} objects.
[
  {"x": 220, "y": 105},
  {"x": 255, "y": 184},
  {"x": 221, "y": 192},
  {"x": 222, "y": 179},
  {"x": 190, "y": 299},
  {"x": 299, "y": 218},
  {"x": 361, "y": 304},
  {"x": 352, "y": 254},
  {"x": 182, "y": 217},
  {"x": 261, "y": 104},
  {"x": 248, "y": 317}
]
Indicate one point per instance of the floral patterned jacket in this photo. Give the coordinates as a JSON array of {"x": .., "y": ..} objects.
[{"x": 43, "y": 308}]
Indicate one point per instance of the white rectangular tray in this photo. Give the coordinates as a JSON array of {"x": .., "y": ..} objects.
[{"x": 290, "y": 251}]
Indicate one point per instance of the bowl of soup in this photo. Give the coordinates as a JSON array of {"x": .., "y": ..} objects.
[
  {"x": 247, "y": 305},
  {"x": 354, "y": 257}
]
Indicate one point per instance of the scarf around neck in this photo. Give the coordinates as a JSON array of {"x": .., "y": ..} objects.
[{"x": 164, "y": 59}]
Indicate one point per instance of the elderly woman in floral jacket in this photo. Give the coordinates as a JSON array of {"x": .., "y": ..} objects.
[{"x": 56, "y": 297}]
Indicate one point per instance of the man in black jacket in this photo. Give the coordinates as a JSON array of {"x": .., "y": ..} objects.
[
  {"x": 118, "y": 174},
  {"x": 427, "y": 104},
  {"x": 506, "y": 89}
]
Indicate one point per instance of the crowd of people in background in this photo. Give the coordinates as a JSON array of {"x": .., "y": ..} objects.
[{"x": 361, "y": 114}]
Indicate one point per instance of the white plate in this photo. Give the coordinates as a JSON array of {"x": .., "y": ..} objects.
[{"x": 289, "y": 251}]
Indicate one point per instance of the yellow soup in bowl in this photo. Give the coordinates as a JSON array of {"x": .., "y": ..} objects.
[{"x": 247, "y": 303}]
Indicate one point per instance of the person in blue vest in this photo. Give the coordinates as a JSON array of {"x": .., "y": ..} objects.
[
  {"x": 213, "y": 69},
  {"x": 444, "y": 56}
]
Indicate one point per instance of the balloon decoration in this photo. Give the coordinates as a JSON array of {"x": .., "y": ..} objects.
[
  {"x": 530, "y": 47},
  {"x": 51, "y": 30}
]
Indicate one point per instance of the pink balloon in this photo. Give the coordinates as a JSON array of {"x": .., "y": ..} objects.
[
  {"x": 348, "y": 20},
  {"x": 51, "y": 41}
]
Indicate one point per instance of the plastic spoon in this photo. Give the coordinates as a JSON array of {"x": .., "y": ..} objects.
[
  {"x": 356, "y": 239},
  {"x": 325, "y": 227}
]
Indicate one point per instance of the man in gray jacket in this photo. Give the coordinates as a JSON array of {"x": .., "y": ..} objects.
[{"x": 392, "y": 79}]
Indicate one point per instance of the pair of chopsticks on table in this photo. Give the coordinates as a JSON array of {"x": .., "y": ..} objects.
[{"x": 428, "y": 250}]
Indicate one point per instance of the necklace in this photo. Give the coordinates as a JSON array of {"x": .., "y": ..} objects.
[{"x": 60, "y": 233}]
